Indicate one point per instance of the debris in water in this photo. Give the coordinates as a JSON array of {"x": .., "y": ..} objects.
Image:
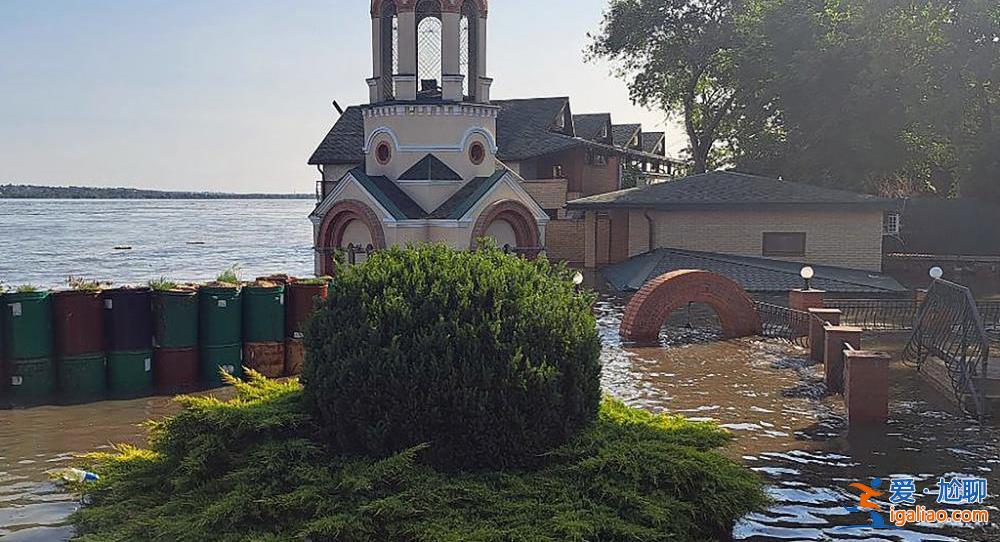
[
  {"x": 196, "y": 242},
  {"x": 123, "y": 247}
]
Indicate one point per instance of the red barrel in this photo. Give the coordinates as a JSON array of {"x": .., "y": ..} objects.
[
  {"x": 295, "y": 356},
  {"x": 299, "y": 305},
  {"x": 267, "y": 359},
  {"x": 78, "y": 323},
  {"x": 175, "y": 368}
]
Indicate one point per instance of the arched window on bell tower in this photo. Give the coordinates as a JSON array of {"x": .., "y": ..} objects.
[
  {"x": 469, "y": 48},
  {"x": 429, "y": 45}
]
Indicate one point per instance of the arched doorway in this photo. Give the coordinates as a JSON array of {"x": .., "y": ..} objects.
[
  {"x": 660, "y": 297},
  {"x": 510, "y": 223},
  {"x": 348, "y": 223}
]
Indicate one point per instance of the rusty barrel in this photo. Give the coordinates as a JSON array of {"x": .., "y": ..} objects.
[
  {"x": 78, "y": 323},
  {"x": 267, "y": 358},
  {"x": 128, "y": 320},
  {"x": 295, "y": 356},
  {"x": 175, "y": 369},
  {"x": 301, "y": 298}
]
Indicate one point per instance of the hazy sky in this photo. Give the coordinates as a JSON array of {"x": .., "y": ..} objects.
[{"x": 234, "y": 95}]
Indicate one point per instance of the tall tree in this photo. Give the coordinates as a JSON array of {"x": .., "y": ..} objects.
[{"x": 677, "y": 55}]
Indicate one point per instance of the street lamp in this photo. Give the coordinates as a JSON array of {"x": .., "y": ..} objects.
[
  {"x": 807, "y": 275},
  {"x": 936, "y": 273}
]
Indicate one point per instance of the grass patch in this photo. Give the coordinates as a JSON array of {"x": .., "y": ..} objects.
[
  {"x": 162, "y": 284},
  {"x": 253, "y": 469},
  {"x": 27, "y": 289},
  {"x": 230, "y": 276}
]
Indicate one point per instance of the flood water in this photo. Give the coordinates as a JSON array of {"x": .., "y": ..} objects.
[{"x": 762, "y": 390}]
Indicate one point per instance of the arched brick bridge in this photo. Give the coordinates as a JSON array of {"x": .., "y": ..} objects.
[{"x": 651, "y": 305}]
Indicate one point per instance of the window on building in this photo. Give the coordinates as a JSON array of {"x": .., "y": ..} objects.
[
  {"x": 557, "y": 171},
  {"x": 553, "y": 214},
  {"x": 784, "y": 244},
  {"x": 890, "y": 224}
]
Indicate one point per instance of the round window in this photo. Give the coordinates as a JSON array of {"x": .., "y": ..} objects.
[
  {"x": 477, "y": 153},
  {"x": 383, "y": 153}
]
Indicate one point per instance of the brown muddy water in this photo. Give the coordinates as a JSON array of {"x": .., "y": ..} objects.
[{"x": 762, "y": 390}]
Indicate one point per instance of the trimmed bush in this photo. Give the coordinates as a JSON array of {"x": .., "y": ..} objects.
[
  {"x": 253, "y": 469},
  {"x": 487, "y": 358}
]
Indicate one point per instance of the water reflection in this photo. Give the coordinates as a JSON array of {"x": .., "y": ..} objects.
[{"x": 764, "y": 391}]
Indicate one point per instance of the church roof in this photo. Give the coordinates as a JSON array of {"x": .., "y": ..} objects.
[
  {"x": 430, "y": 168},
  {"x": 460, "y": 202},
  {"x": 526, "y": 128},
  {"x": 402, "y": 207}
]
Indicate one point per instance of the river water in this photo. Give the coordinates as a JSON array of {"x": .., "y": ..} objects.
[{"x": 762, "y": 390}]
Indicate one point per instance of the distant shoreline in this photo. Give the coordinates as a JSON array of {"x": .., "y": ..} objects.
[{"x": 26, "y": 191}]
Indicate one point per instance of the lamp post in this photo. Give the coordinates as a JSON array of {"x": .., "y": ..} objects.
[{"x": 807, "y": 275}]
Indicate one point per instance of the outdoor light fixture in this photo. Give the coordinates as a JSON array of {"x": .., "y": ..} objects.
[
  {"x": 807, "y": 274},
  {"x": 937, "y": 273},
  {"x": 578, "y": 278}
]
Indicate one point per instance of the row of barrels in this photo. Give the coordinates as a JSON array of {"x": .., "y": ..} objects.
[{"x": 84, "y": 345}]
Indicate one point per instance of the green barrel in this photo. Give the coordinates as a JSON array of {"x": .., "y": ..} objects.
[
  {"x": 82, "y": 376},
  {"x": 130, "y": 374},
  {"x": 220, "y": 316},
  {"x": 216, "y": 358},
  {"x": 175, "y": 319},
  {"x": 27, "y": 325},
  {"x": 31, "y": 380},
  {"x": 263, "y": 314}
]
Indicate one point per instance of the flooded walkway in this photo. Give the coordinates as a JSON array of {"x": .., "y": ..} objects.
[{"x": 762, "y": 390}]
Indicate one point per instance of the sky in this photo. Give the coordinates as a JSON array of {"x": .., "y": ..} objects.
[{"x": 234, "y": 95}]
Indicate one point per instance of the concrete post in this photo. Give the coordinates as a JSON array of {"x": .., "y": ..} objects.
[
  {"x": 819, "y": 318},
  {"x": 866, "y": 387},
  {"x": 837, "y": 340},
  {"x": 406, "y": 79},
  {"x": 375, "y": 91},
  {"x": 451, "y": 76}
]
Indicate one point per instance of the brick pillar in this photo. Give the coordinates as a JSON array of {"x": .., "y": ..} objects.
[
  {"x": 803, "y": 300},
  {"x": 819, "y": 319},
  {"x": 837, "y": 339},
  {"x": 866, "y": 387}
]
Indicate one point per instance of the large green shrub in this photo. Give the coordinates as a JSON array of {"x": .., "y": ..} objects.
[
  {"x": 251, "y": 469},
  {"x": 488, "y": 358}
]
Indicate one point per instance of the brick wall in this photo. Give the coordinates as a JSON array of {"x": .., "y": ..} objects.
[
  {"x": 564, "y": 240},
  {"x": 850, "y": 239},
  {"x": 550, "y": 194}
]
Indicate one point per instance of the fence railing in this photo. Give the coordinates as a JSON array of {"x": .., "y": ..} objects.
[
  {"x": 876, "y": 314},
  {"x": 949, "y": 326},
  {"x": 784, "y": 323}
]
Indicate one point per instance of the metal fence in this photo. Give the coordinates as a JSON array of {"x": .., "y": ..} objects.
[
  {"x": 876, "y": 314},
  {"x": 949, "y": 326},
  {"x": 784, "y": 323}
]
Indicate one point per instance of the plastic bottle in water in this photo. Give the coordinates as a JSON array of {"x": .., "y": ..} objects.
[{"x": 70, "y": 474}]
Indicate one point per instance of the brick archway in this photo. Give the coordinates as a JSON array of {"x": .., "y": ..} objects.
[
  {"x": 335, "y": 223},
  {"x": 651, "y": 305},
  {"x": 514, "y": 213}
]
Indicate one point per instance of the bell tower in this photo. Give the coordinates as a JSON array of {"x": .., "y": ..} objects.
[{"x": 429, "y": 49}]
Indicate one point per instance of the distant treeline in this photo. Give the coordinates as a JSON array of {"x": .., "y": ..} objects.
[{"x": 27, "y": 191}]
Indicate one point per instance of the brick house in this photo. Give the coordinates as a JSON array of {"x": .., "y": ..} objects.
[{"x": 736, "y": 214}]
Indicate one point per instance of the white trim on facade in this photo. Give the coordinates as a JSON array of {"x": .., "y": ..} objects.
[
  {"x": 458, "y": 147},
  {"x": 332, "y": 198}
]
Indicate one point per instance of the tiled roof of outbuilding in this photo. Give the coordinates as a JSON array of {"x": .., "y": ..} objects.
[
  {"x": 757, "y": 275},
  {"x": 651, "y": 140},
  {"x": 727, "y": 189}
]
